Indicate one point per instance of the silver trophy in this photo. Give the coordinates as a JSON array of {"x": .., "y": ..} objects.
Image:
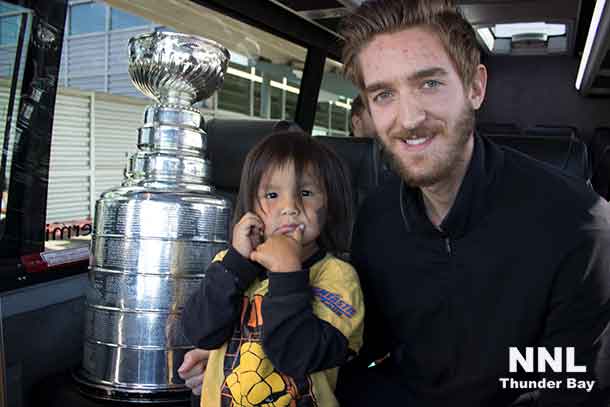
[{"x": 154, "y": 235}]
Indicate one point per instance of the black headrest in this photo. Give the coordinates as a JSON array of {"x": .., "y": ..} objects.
[
  {"x": 498, "y": 128},
  {"x": 555, "y": 131},
  {"x": 567, "y": 153},
  {"x": 230, "y": 140}
]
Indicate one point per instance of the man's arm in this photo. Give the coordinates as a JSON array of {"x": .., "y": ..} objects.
[
  {"x": 210, "y": 314},
  {"x": 578, "y": 317}
]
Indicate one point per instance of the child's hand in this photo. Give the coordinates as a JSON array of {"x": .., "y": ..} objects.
[
  {"x": 280, "y": 253},
  {"x": 247, "y": 234}
]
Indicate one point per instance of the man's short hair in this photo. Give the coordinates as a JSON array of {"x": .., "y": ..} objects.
[
  {"x": 376, "y": 17},
  {"x": 357, "y": 107}
]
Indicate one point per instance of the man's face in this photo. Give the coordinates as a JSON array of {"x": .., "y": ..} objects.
[{"x": 423, "y": 115}]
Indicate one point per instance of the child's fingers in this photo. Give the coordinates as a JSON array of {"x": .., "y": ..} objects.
[
  {"x": 297, "y": 233},
  {"x": 258, "y": 257},
  {"x": 256, "y": 239},
  {"x": 193, "y": 363},
  {"x": 250, "y": 221},
  {"x": 262, "y": 254},
  {"x": 254, "y": 217}
]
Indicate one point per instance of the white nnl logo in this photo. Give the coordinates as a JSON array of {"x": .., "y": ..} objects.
[{"x": 544, "y": 359}]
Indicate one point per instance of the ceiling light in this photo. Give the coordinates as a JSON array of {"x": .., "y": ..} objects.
[
  {"x": 510, "y": 30},
  {"x": 597, "y": 15},
  {"x": 487, "y": 37}
]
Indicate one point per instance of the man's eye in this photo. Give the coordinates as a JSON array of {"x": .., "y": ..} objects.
[
  {"x": 431, "y": 84},
  {"x": 306, "y": 192},
  {"x": 271, "y": 195},
  {"x": 382, "y": 96}
]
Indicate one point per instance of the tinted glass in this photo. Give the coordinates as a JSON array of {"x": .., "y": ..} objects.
[
  {"x": 120, "y": 19},
  {"x": 9, "y": 30},
  {"x": 10, "y": 25},
  {"x": 334, "y": 102},
  {"x": 87, "y": 18},
  {"x": 98, "y": 110}
]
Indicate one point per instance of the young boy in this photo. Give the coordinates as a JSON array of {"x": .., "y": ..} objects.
[{"x": 280, "y": 312}]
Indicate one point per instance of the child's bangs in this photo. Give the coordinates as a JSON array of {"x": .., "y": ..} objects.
[{"x": 285, "y": 151}]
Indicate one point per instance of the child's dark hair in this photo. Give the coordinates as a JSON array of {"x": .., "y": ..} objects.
[{"x": 280, "y": 148}]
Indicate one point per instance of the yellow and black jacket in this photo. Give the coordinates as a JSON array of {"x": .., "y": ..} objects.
[{"x": 277, "y": 338}]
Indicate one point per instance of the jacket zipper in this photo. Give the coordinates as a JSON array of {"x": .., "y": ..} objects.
[{"x": 448, "y": 245}]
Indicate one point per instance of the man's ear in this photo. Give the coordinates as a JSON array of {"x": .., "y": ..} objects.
[
  {"x": 476, "y": 93},
  {"x": 356, "y": 122}
]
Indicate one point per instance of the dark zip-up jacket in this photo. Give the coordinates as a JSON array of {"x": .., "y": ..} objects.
[{"x": 522, "y": 259}]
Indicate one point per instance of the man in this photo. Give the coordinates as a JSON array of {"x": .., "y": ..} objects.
[
  {"x": 474, "y": 249},
  {"x": 361, "y": 122}
]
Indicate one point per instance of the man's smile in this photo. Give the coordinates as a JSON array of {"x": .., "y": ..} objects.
[{"x": 415, "y": 142}]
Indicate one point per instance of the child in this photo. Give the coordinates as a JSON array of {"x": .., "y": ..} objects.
[{"x": 279, "y": 309}]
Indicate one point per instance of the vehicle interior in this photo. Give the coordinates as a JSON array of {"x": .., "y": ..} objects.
[{"x": 70, "y": 115}]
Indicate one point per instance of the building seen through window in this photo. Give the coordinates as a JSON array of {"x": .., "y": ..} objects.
[
  {"x": 87, "y": 18},
  {"x": 98, "y": 110}
]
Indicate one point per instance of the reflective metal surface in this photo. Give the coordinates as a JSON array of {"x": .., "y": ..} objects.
[
  {"x": 154, "y": 235},
  {"x": 176, "y": 68}
]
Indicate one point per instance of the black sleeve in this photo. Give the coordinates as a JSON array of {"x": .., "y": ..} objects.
[
  {"x": 376, "y": 341},
  {"x": 295, "y": 340},
  {"x": 211, "y": 312},
  {"x": 578, "y": 317}
]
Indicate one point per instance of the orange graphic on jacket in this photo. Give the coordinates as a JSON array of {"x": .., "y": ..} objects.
[{"x": 250, "y": 378}]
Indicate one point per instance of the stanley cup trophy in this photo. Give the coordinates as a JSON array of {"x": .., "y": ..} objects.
[{"x": 155, "y": 234}]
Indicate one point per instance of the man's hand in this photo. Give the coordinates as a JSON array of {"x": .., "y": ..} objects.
[
  {"x": 280, "y": 253},
  {"x": 193, "y": 368}
]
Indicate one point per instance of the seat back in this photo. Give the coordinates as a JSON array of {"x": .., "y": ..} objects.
[
  {"x": 551, "y": 131},
  {"x": 498, "y": 128},
  {"x": 230, "y": 140},
  {"x": 563, "y": 151},
  {"x": 600, "y": 156}
]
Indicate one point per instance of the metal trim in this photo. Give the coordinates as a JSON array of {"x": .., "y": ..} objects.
[
  {"x": 310, "y": 88},
  {"x": 3, "y": 388},
  {"x": 325, "y": 13},
  {"x": 278, "y": 19},
  {"x": 42, "y": 295}
]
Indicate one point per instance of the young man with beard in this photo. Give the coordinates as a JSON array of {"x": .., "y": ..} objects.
[{"x": 474, "y": 248}]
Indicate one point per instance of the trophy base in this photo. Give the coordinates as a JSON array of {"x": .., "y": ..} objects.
[{"x": 109, "y": 392}]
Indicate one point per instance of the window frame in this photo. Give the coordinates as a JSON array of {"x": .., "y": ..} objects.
[{"x": 261, "y": 14}]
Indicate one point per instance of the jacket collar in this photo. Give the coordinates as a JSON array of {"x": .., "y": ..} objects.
[
  {"x": 314, "y": 258},
  {"x": 472, "y": 201}
]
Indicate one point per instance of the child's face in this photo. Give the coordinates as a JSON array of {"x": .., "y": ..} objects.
[{"x": 278, "y": 195}]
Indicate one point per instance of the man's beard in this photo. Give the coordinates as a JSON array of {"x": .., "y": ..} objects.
[{"x": 441, "y": 164}]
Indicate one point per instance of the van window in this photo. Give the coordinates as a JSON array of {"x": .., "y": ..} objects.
[
  {"x": 11, "y": 74},
  {"x": 334, "y": 102},
  {"x": 87, "y": 18},
  {"x": 98, "y": 110}
]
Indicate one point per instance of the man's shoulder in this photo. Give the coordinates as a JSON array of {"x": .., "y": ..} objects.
[
  {"x": 548, "y": 191},
  {"x": 385, "y": 196}
]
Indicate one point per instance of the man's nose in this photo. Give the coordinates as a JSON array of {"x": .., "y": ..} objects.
[{"x": 411, "y": 113}]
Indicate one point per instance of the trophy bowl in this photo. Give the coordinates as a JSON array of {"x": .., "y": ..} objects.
[{"x": 175, "y": 68}]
